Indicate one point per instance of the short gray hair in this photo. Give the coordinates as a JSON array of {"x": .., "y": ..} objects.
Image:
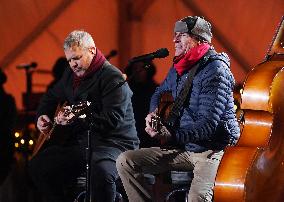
[{"x": 79, "y": 38}]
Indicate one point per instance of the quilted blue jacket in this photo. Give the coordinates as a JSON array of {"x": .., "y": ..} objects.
[{"x": 208, "y": 119}]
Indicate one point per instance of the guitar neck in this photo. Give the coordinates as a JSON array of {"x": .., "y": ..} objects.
[
  {"x": 276, "y": 46},
  {"x": 42, "y": 138},
  {"x": 52, "y": 129}
]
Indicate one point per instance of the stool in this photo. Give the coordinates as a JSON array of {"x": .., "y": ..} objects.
[{"x": 178, "y": 180}]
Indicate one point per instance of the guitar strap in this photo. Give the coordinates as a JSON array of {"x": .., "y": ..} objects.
[{"x": 176, "y": 109}]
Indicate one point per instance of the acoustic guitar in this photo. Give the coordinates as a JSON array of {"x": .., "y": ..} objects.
[
  {"x": 166, "y": 102},
  {"x": 78, "y": 112}
]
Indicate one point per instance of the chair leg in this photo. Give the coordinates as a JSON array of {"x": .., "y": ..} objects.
[
  {"x": 80, "y": 197},
  {"x": 118, "y": 197},
  {"x": 173, "y": 192},
  {"x": 186, "y": 194}
]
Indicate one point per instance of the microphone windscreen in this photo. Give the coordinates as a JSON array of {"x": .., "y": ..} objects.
[
  {"x": 34, "y": 64},
  {"x": 113, "y": 52},
  {"x": 162, "y": 53}
]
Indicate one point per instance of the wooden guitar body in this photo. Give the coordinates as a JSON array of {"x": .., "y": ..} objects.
[
  {"x": 165, "y": 105},
  {"x": 164, "y": 108},
  {"x": 253, "y": 170}
]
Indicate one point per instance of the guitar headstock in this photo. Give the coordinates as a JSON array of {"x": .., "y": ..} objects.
[{"x": 77, "y": 108}]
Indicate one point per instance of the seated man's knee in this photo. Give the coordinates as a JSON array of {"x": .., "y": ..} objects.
[
  {"x": 104, "y": 171},
  {"x": 122, "y": 159}
]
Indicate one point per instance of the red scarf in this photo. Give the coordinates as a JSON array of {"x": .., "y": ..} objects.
[
  {"x": 96, "y": 64},
  {"x": 185, "y": 62}
]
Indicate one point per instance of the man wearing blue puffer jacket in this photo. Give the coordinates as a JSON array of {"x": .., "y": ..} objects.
[{"x": 201, "y": 123}]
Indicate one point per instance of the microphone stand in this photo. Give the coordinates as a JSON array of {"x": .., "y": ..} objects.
[
  {"x": 88, "y": 195},
  {"x": 89, "y": 149},
  {"x": 29, "y": 73},
  {"x": 89, "y": 163},
  {"x": 27, "y": 106}
]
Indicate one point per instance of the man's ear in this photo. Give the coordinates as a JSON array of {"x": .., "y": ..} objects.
[{"x": 93, "y": 50}]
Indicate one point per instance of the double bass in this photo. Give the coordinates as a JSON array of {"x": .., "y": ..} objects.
[{"x": 253, "y": 170}]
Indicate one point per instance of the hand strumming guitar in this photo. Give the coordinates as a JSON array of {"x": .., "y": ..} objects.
[
  {"x": 44, "y": 124},
  {"x": 149, "y": 129},
  {"x": 156, "y": 128}
]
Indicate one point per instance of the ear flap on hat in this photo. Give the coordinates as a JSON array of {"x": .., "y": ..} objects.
[
  {"x": 186, "y": 24},
  {"x": 190, "y": 21},
  {"x": 202, "y": 28}
]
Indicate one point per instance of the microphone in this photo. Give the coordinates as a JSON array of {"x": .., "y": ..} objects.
[
  {"x": 111, "y": 54},
  {"x": 27, "y": 66},
  {"x": 161, "y": 53}
]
